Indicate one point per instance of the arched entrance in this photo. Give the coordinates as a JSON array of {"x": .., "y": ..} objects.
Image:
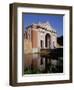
[{"x": 47, "y": 40}]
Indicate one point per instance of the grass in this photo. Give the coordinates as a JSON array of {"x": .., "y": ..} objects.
[{"x": 31, "y": 71}]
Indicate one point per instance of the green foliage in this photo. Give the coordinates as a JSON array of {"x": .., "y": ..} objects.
[
  {"x": 31, "y": 71},
  {"x": 60, "y": 40}
]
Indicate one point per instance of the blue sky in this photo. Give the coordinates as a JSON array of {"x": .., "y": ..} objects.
[{"x": 55, "y": 20}]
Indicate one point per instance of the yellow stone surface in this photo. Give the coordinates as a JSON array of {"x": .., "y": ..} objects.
[{"x": 59, "y": 46}]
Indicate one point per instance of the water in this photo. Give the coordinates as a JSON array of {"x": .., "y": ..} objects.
[{"x": 37, "y": 64}]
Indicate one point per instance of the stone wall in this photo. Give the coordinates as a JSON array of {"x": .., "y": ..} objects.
[{"x": 27, "y": 46}]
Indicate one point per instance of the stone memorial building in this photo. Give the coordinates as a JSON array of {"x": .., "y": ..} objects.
[{"x": 39, "y": 36}]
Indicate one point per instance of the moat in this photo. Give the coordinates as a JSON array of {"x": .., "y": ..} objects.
[{"x": 43, "y": 63}]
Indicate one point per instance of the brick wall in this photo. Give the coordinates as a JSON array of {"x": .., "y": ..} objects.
[{"x": 34, "y": 38}]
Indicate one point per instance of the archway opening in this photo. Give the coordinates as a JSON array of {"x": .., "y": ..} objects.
[{"x": 47, "y": 40}]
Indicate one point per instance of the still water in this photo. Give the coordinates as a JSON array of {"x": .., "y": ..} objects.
[{"x": 36, "y": 63}]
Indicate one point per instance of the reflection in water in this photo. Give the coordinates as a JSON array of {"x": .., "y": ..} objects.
[{"x": 35, "y": 64}]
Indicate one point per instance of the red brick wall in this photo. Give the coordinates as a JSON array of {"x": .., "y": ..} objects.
[{"x": 34, "y": 38}]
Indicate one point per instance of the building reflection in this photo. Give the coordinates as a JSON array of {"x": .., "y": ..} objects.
[{"x": 42, "y": 64}]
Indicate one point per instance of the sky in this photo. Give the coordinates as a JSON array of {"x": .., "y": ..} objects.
[{"x": 56, "y": 21}]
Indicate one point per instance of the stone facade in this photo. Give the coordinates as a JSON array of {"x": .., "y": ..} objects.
[{"x": 39, "y": 36}]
